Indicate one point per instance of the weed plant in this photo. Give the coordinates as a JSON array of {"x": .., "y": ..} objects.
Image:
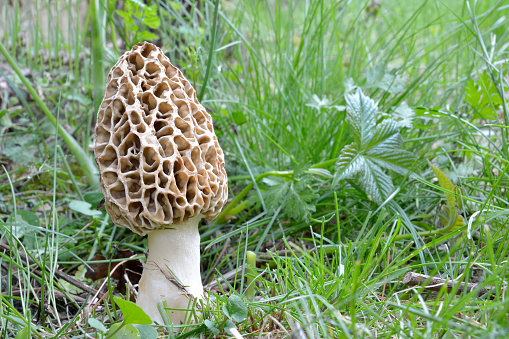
[{"x": 366, "y": 141}]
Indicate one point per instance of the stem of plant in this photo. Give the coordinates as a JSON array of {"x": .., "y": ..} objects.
[{"x": 251, "y": 273}]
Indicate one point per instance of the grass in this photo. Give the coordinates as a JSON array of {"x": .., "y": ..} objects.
[{"x": 273, "y": 74}]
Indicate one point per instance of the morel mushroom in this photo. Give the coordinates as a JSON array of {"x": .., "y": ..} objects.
[{"x": 162, "y": 171}]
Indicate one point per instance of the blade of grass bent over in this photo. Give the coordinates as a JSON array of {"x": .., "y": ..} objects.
[{"x": 85, "y": 162}]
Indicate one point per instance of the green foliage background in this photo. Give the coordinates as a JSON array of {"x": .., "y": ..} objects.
[{"x": 364, "y": 140}]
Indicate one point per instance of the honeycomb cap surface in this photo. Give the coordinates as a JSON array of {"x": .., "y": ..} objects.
[{"x": 158, "y": 156}]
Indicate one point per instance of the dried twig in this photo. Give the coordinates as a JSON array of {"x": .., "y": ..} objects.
[
  {"x": 227, "y": 276},
  {"x": 436, "y": 283},
  {"x": 58, "y": 294}
]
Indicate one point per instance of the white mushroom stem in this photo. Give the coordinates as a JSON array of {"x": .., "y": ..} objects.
[{"x": 172, "y": 271}]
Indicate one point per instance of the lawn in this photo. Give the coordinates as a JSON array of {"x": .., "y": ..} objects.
[{"x": 366, "y": 149}]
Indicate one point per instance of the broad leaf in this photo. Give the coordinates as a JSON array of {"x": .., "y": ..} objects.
[
  {"x": 147, "y": 332},
  {"x": 376, "y": 147},
  {"x": 349, "y": 163},
  {"x": 211, "y": 326},
  {"x": 229, "y": 325},
  {"x": 85, "y": 208},
  {"x": 127, "y": 331},
  {"x": 237, "y": 308},
  {"x": 361, "y": 114},
  {"x": 97, "y": 325},
  {"x": 395, "y": 160},
  {"x": 385, "y": 137},
  {"x": 375, "y": 182},
  {"x": 23, "y": 334},
  {"x": 133, "y": 314}
]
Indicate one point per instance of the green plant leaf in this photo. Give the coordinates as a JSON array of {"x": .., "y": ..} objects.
[
  {"x": 147, "y": 332},
  {"x": 376, "y": 147},
  {"x": 128, "y": 331},
  {"x": 23, "y": 334},
  {"x": 379, "y": 77},
  {"x": 228, "y": 325},
  {"x": 296, "y": 196},
  {"x": 451, "y": 218},
  {"x": 145, "y": 35},
  {"x": 29, "y": 217},
  {"x": 404, "y": 115},
  {"x": 137, "y": 3},
  {"x": 150, "y": 18},
  {"x": 239, "y": 118},
  {"x": 361, "y": 114},
  {"x": 85, "y": 208},
  {"x": 375, "y": 182},
  {"x": 211, "y": 326},
  {"x": 483, "y": 96},
  {"x": 447, "y": 184},
  {"x": 237, "y": 309},
  {"x": 349, "y": 163},
  {"x": 97, "y": 325},
  {"x": 133, "y": 314}
]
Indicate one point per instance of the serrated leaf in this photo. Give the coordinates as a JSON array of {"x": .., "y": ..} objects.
[
  {"x": 483, "y": 96},
  {"x": 361, "y": 114},
  {"x": 404, "y": 116},
  {"x": 385, "y": 137},
  {"x": 276, "y": 195},
  {"x": 472, "y": 94},
  {"x": 375, "y": 74},
  {"x": 237, "y": 308},
  {"x": 296, "y": 196},
  {"x": 349, "y": 163},
  {"x": 299, "y": 201},
  {"x": 133, "y": 314},
  {"x": 447, "y": 184},
  {"x": 318, "y": 103},
  {"x": 392, "y": 83},
  {"x": 151, "y": 19},
  {"x": 396, "y": 160},
  {"x": 375, "y": 182},
  {"x": 349, "y": 85},
  {"x": 146, "y": 35},
  {"x": 376, "y": 146}
]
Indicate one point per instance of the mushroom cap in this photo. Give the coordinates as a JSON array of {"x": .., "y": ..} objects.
[{"x": 158, "y": 156}]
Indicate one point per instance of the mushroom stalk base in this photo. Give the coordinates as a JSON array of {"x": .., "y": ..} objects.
[{"x": 172, "y": 272}]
